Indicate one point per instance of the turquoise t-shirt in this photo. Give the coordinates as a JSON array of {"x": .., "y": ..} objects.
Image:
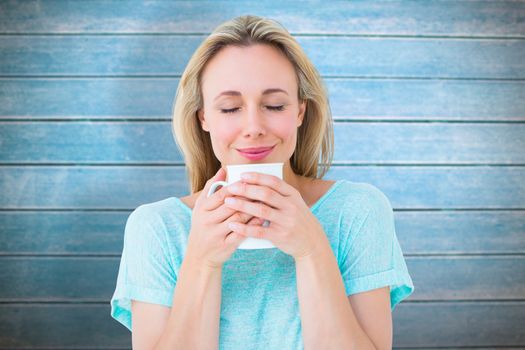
[{"x": 259, "y": 307}]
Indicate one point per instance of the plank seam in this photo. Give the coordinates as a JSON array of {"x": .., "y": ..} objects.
[
  {"x": 336, "y": 120},
  {"x": 516, "y": 37},
  {"x": 396, "y": 119},
  {"x": 177, "y": 76}
]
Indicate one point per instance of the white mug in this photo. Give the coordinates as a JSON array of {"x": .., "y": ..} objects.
[{"x": 233, "y": 175}]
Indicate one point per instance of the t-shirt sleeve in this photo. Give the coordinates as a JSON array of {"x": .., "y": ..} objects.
[
  {"x": 372, "y": 257},
  {"x": 145, "y": 273}
]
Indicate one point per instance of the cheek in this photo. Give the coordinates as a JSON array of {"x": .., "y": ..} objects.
[
  {"x": 224, "y": 134},
  {"x": 285, "y": 129}
]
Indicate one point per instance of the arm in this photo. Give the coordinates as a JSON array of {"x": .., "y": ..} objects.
[
  {"x": 192, "y": 322},
  {"x": 328, "y": 318}
]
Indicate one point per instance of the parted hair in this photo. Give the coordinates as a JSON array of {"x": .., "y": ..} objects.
[{"x": 314, "y": 149}]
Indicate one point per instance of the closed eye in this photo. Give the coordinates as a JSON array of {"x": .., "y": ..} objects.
[
  {"x": 230, "y": 110},
  {"x": 271, "y": 108}
]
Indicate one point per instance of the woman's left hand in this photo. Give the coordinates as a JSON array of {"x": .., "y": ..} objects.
[{"x": 293, "y": 228}]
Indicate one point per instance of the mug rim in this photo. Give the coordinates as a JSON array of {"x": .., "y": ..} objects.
[{"x": 253, "y": 165}]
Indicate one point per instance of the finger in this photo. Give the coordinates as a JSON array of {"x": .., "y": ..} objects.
[
  {"x": 238, "y": 217},
  {"x": 275, "y": 183},
  {"x": 254, "y": 221},
  {"x": 252, "y": 230},
  {"x": 257, "y": 209},
  {"x": 216, "y": 199},
  {"x": 225, "y": 214},
  {"x": 233, "y": 240},
  {"x": 257, "y": 192}
]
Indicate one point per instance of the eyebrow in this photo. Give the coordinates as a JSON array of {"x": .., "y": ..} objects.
[{"x": 237, "y": 93}]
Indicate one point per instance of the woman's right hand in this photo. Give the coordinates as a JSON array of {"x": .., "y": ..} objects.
[{"x": 211, "y": 242}]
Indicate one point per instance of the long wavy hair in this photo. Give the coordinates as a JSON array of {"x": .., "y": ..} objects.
[{"x": 315, "y": 137}]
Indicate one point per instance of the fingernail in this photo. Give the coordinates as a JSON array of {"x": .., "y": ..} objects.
[{"x": 229, "y": 200}]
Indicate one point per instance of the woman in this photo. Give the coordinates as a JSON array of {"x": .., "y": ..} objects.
[{"x": 338, "y": 270}]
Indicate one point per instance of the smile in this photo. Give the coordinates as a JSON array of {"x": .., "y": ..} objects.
[{"x": 256, "y": 155}]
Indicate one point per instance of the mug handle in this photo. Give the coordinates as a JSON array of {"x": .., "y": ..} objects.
[{"x": 214, "y": 186}]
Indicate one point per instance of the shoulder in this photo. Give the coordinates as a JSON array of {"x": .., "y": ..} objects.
[
  {"x": 357, "y": 201},
  {"x": 374, "y": 215},
  {"x": 365, "y": 217},
  {"x": 355, "y": 194},
  {"x": 362, "y": 194},
  {"x": 154, "y": 218},
  {"x": 153, "y": 210},
  {"x": 373, "y": 197}
]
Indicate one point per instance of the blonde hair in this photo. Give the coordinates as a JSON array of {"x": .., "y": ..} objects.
[{"x": 315, "y": 137}]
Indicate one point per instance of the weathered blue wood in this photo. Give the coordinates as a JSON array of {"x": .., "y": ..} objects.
[
  {"x": 58, "y": 279},
  {"x": 451, "y": 324},
  {"x": 349, "y": 98},
  {"x": 146, "y": 142},
  {"x": 62, "y": 232},
  {"x": 40, "y": 326},
  {"x": 418, "y": 232},
  {"x": 93, "y": 279},
  {"x": 460, "y": 18},
  {"x": 417, "y": 325},
  {"x": 460, "y": 232},
  {"x": 126, "y": 187},
  {"x": 467, "y": 277},
  {"x": 355, "y": 57}
]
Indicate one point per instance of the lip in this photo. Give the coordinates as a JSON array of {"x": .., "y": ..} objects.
[
  {"x": 256, "y": 153},
  {"x": 254, "y": 149}
]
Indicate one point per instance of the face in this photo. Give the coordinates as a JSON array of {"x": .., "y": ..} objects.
[{"x": 251, "y": 100}]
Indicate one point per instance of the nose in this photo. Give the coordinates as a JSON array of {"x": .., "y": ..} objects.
[{"x": 253, "y": 122}]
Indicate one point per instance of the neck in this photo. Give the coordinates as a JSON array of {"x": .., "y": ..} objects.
[{"x": 290, "y": 177}]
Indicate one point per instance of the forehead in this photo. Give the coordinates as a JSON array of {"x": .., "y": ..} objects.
[{"x": 249, "y": 70}]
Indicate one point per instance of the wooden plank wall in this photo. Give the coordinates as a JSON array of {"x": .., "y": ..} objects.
[{"x": 429, "y": 103}]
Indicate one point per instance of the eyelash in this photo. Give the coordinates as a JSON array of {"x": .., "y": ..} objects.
[{"x": 271, "y": 108}]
